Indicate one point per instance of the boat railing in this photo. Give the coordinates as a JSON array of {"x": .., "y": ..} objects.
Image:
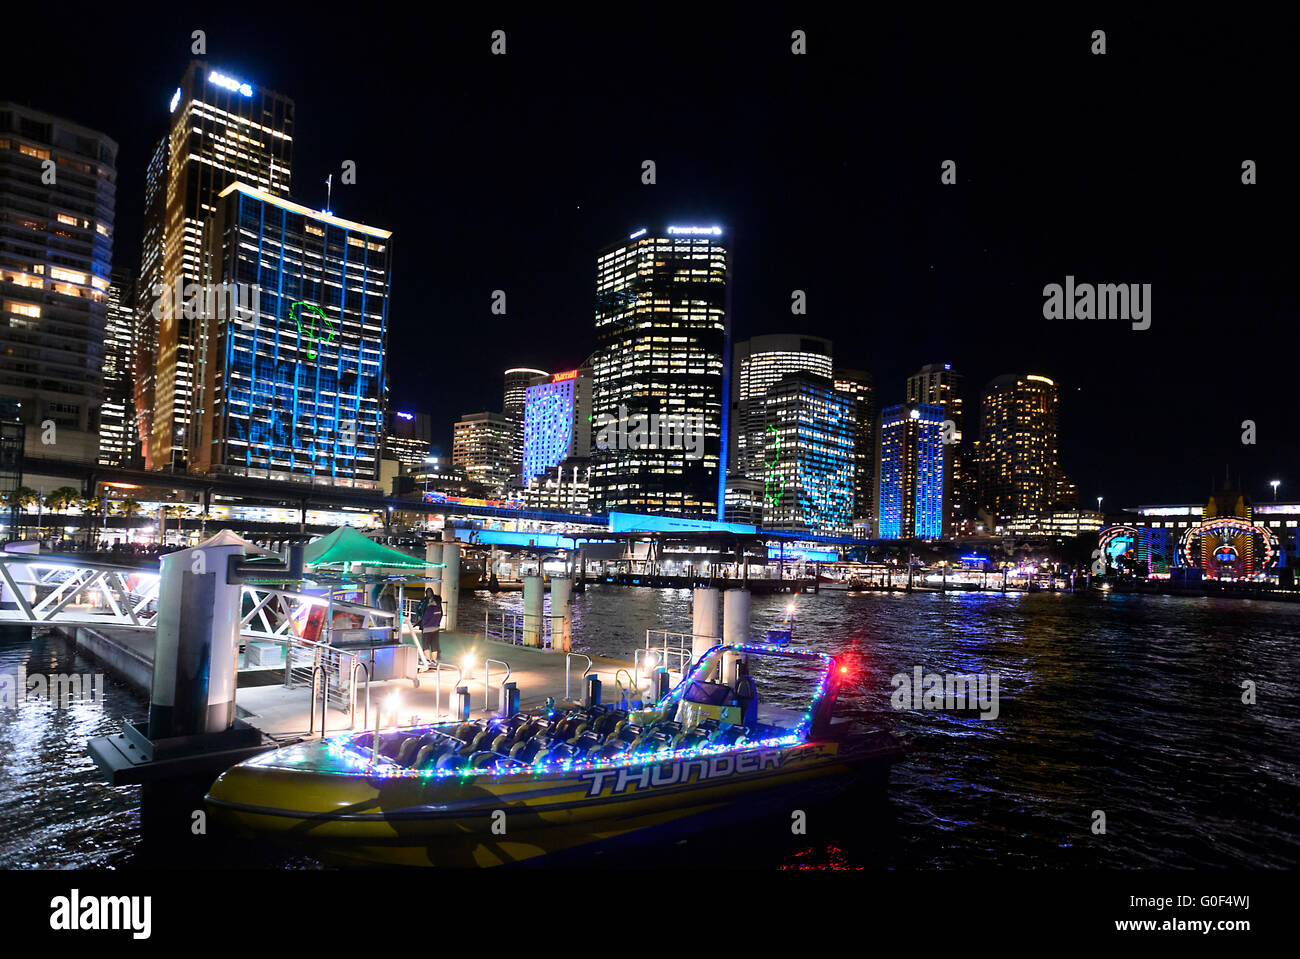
[
  {"x": 568, "y": 663},
  {"x": 487, "y": 682}
]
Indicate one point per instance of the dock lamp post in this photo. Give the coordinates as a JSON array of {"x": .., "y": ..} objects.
[
  {"x": 1275, "y": 484},
  {"x": 1098, "y": 505}
]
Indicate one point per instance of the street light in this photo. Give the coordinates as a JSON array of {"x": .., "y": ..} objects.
[
  {"x": 1099, "y": 505},
  {"x": 1275, "y": 484}
]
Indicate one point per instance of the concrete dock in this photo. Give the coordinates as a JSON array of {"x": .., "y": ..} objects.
[{"x": 285, "y": 714}]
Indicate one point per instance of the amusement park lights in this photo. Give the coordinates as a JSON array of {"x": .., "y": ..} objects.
[{"x": 339, "y": 747}]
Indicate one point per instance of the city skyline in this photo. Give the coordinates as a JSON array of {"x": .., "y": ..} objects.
[{"x": 955, "y": 276}]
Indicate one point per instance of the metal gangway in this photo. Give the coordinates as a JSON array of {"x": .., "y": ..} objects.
[{"x": 56, "y": 591}]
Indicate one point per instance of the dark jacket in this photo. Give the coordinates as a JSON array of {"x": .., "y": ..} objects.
[{"x": 431, "y": 614}]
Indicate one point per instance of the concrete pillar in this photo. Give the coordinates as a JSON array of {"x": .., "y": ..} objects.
[
  {"x": 705, "y": 630},
  {"x": 197, "y": 643},
  {"x": 450, "y": 584},
  {"x": 561, "y": 614},
  {"x": 533, "y": 595},
  {"x": 735, "y": 629},
  {"x": 433, "y": 554}
]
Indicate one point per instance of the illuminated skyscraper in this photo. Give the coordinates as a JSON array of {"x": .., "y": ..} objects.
[
  {"x": 557, "y": 417},
  {"x": 117, "y": 435},
  {"x": 911, "y": 471},
  {"x": 757, "y": 365},
  {"x": 662, "y": 330},
  {"x": 293, "y": 379},
  {"x": 808, "y": 455},
  {"x": 859, "y": 385},
  {"x": 58, "y": 185},
  {"x": 1019, "y": 452},
  {"x": 409, "y": 437},
  {"x": 938, "y": 385},
  {"x": 147, "y": 304},
  {"x": 518, "y": 380},
  {"x": 481, "y": 445},
  {"x": 222, "y": 130}
]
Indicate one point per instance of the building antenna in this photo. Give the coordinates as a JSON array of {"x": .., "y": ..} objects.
[{"x": 329, "y": 189}]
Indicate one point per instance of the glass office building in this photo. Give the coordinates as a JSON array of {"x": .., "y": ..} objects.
[
  {"x": 296, "y": 387},
  {"x": 911, "y": 472},
  {"x": 117, "y": 435},
  {"x": 757, "y": 365},
  {"x": 807, "y": 455},
  {"x": 1019, "y": 449},
  {"x": 222, "y": 130},
  {"x": 662, "y": 329}
]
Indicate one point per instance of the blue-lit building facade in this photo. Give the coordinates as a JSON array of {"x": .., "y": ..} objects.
[
  {"x": 557, "y": 417},
  {"x": 295, "y": 388},
  {"x": 910, "y": 495},
  {"x": 807, "y": 455}
]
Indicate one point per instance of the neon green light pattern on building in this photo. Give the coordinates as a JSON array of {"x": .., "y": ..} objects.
[
  {"x": 773, "y": 484},
  {"x": 311, "y": 330}
]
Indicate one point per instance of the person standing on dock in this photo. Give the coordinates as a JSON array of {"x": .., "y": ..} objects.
[{"x": 429, "y": 614}]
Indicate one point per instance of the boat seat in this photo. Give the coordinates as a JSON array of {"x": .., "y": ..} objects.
[
  {"x": 391, "y": 745},
  {"x": 483, "y": 759},
  {"x": 450, "y": 760},
  {"x": 408, "y": 750}
]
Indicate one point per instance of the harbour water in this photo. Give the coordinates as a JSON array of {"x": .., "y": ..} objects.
[{"x": 1130, "y": 706}]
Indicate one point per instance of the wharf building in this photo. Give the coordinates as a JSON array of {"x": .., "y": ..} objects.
[{"x": 294, "y": 387}]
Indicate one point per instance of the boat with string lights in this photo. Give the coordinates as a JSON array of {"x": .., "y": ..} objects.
[{"x": 516, "y": 788}]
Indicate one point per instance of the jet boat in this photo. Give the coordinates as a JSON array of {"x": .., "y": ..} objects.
[{"x": 516, "y": 788}]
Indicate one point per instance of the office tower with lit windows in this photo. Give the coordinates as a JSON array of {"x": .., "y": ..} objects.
[
  {"x": 910, "y": 496},
  {"x": 482, "y": 445},
  {"x": 938, "y": 385},
  {"x": 807, "y": 455},
  {"x": 408, "y": 436},
  {"x": 1019, "y": 452},
  {"x": 557, "y": 416},
  {"x": 758, "y": 364},
  {"x": 859, "y": 385},
  {"x": 292, "y": 381},
  {"x": 58, "y": 185},
  {"x": 222, "y": 130},
  {"x": 148, "y": 305},
  {"x": 662, "y": 336},
  {"x": 117, "y": 435},
  {"x": 518, "y": 379}
]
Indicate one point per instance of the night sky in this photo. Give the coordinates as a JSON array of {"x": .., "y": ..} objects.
[{"x": 512, "y": 172}]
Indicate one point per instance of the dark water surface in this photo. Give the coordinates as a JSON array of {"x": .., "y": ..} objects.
[{"x": 1127, "y": 705}]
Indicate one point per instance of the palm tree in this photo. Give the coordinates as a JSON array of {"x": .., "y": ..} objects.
[
  {"x": 19, "y": 498},
  {"x": 178, "y": 510},
  {"x": 58, "y": 500},
  {"x": 90, "y": 507}
]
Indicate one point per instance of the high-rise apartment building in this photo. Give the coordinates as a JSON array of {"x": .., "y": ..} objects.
[
  {"x": 482, "y": 445},
  {"x": 1019, "y": 451},
  {"x": 938, "y": 385},
  {"x": 292, "y": 378},
  {"x": 223, "y": 130},
  {"x": 117, "y": 433},
  {"x": 910, "y": 501},
  {"x": 662, "y": 331},
  {"x": 58, "y": 184},
  {"x": 807, "y": 455}
]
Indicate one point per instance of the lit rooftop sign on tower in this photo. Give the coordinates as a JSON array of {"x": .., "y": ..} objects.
[
  {"x": 230, "y": 83},
  {"x": 695, "y": 230}
]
